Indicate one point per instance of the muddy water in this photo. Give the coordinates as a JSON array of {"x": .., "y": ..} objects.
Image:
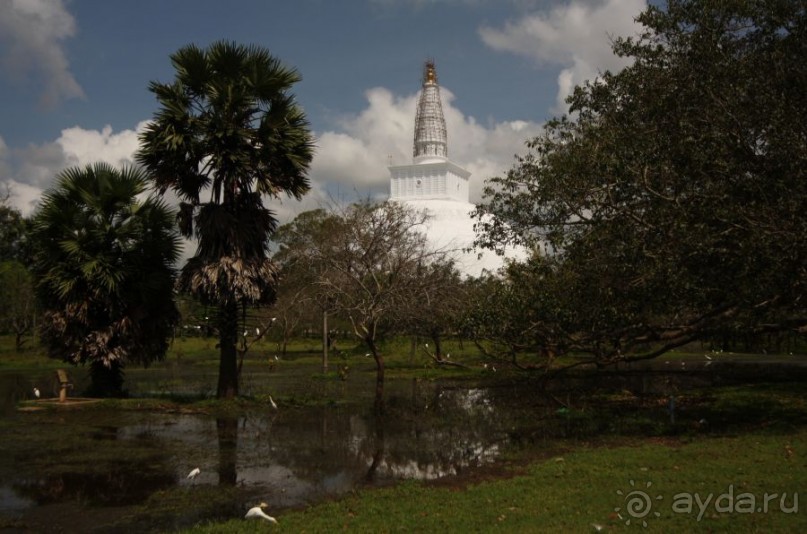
[{"x": 93, "y": 469}]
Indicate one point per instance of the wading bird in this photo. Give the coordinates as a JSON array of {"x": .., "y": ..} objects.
[
  {"x": 195, "y": 473},
  {"x": 257, "y": 512},
  {"x": 36, "y": 392}
]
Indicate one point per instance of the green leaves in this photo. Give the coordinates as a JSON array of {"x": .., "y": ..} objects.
[
  {"x": 669, "y": 198},
  {"x": 227, "y": 125},
  {"x": 104, "y": 267}
]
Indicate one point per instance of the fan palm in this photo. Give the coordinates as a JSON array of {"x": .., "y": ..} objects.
[
  {"x": 104, "y": 270},
  {"x": 227, "y": 134}
]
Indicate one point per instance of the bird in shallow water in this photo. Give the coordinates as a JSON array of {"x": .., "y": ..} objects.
[
  {"x": 36, "y": 392},
  {"x": 195, "y": 473},
  {"x": 257, "y": 512}
]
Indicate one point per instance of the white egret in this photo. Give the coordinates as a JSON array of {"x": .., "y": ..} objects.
[
  {"x": 194, "y": 473},
  {"x": 257, "y": 512},
  {"x": 36, "y": 392},
  {"x": 272, "y": 402}
]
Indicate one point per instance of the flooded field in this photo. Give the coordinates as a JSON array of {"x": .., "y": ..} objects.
[{"x": 104, "y": 469}]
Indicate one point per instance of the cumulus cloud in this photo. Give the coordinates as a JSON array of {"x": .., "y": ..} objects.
[
  {"x": 576, "y": 36},
  {"x": 33, "y": 32},
  {"x": 82, "y": 147},
  {"x": 357, "y": 153},
  {"x": 31, "y": 170},
  {"x": 351, "y": 159}
]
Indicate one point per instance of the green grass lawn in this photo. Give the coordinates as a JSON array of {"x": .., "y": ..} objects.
[{"x": 678, "y": 484}]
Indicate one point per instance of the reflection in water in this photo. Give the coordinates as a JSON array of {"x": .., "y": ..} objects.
[
  {"x": 295, "y": 455},
  {"x": 128, "y": 485},
  {"x": 227, "y": 431},
  {"x": 379, "y": 445}
]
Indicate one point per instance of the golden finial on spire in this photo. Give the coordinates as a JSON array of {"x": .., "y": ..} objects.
[{"x": 429, "y": 72}]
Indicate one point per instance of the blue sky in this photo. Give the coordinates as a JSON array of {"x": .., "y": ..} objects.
[{"x": 74, "y": 76}]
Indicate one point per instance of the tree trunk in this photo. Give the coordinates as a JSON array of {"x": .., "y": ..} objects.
[
  {"x": 325, "y": 340},
  {"x": 228, "y": 362},
  {"x": 379, "y": 375},
  {"x": 106, "y": 381},
  {"x": 438, "y": 352}
]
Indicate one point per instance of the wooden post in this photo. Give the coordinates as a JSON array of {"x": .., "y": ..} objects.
[{"x": 64, "y": 383}]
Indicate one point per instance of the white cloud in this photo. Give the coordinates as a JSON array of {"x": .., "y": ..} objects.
[
  {"x": 31, "y": 170},
  {"x": 576, "y": 36},
  {"x": 358, "y": 154},
  {"x": 33, "y": 31},
  {"x": 351, "y": 159},
  {"x": 24, "y": 197},
  {"x": 82, "y": 147}
]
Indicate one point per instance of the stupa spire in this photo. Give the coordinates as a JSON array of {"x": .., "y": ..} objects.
[{"x": 431, "y": 139}]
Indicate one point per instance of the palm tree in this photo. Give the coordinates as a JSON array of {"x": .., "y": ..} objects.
[
  {"x": 228, "y": 128},
  {"x": 103, "y": 265}
]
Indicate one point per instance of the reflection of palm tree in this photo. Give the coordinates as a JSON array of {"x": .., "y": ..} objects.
[
  {"x": 227, "y": 430},
  {"x": 227, "y": 125}
]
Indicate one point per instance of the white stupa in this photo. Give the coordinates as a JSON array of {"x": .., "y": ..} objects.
[{"x": 439, "y": 186}]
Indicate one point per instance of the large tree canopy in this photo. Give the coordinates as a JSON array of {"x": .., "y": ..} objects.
[
  {"x": 104, "y": 271},
  {"x": 671, "y": 201},
  {"x": 228, "y": 133}
]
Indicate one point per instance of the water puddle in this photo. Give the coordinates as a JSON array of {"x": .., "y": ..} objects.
[{"x": 96, "y": 466}]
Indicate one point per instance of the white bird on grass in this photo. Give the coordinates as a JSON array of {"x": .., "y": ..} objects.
[
  {"x": 194, "y": 473},
  {"x": 272, "y": 402},
  {"x": 257, "y": 512},
  {"x": 36, "y": 392}
]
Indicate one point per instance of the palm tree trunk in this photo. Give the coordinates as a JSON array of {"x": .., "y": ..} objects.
[
  {"x": 228, "y": 362},
  {"x": 379, "y": 375},
  {"x": 106, "y": 381}
]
